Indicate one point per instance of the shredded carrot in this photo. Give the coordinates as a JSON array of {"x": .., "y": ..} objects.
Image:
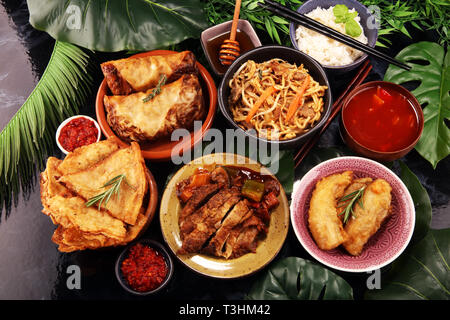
[
  {"x": 295, "y": 103},
  {"x": 266, "y": 93}
]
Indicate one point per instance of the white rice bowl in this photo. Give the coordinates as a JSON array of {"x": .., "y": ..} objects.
[{"x": 327, "y": 51}]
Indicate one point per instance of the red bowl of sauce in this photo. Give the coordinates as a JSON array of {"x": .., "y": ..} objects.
[
  {"x": 77, "y": 131},
  {"x": 381, "y": 120}
]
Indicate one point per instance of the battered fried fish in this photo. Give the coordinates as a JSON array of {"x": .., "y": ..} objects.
[
  {"x": 178, "y": 105},
  {"x": 367, "y": 219},
  {"x": 129, "y": 75},
  {"x": 324, "y": 223}
]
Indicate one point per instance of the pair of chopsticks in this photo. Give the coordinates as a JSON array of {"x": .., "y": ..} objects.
[
  {"x": 337, "y": 106},
  {"x": 312, "y": 24}
]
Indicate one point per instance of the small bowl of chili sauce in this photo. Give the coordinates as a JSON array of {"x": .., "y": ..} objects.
[
  {"x": 144, "y": 267},
  {"x": 381, "y": 120},
  {"x": 77, "y": 131}
]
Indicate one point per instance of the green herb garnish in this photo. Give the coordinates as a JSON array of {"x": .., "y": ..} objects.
[
  {"x": 349, "y": 201},
  {"x": 157, "y": 90},
  {"x": 343, "y": 15},
  {"x": 104, "y": 197}
]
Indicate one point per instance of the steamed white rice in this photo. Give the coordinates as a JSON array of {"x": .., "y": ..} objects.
[{"x": 327, "y": 51}]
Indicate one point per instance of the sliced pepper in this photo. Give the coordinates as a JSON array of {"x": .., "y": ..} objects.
[
  {"x": 253, "y": 189},
  {"x": 200, "y": 179}
]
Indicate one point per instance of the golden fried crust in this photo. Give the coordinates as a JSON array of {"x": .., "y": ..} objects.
[
  {"x": 368, "y": 219},
  {"x": 89, "y": 182},
  {"x": 324, "y": 223},
  {"x": 86, "y": 156},
  {"x": 81, "y": 227},
  {"x": 178, "y": 105},
  {"x": 129, "y": 75}
]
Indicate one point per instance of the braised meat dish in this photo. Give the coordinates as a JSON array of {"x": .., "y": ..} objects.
[{"x": 225, "y": 210}]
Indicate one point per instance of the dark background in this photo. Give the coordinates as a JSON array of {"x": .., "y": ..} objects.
[{"x": 31, "y": 266}]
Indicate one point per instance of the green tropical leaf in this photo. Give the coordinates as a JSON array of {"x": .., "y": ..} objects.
[
  {"x": 421, "y": 201},
  {"x": 28, "y": 138},
  {"x": 422, "y": 272},
  {"x": 294, "y": 278},
  {"x": 119, "y": 25},
  {"x": 432, "y": 93}
]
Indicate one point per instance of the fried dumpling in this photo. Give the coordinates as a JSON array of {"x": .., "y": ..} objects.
[
  {"x": 129, "y": 75},
  {"x": 324, "y": 223},
  {"x": 128, "y": 161},
  {"x": 178, "y": 105},
  {"x": 367, "y": 219}
]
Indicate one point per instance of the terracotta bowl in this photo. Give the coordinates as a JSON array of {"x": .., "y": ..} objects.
[
  {"x": 152, "y": 195},
  {"x": 374, "y": 154},
  {"x": 161, "y": 150},
  {"x": 385, "y": 245}
]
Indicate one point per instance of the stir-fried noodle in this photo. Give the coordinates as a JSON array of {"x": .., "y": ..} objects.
[{"x": 275, "y": 83}]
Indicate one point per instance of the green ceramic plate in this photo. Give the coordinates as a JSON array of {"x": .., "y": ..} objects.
[{"x": 220, "y": 267}]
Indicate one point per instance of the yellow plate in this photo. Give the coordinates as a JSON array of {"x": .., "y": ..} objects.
[{"x": 215, "y": 267}]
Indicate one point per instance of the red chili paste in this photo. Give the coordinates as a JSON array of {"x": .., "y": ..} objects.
[
  {"x": 144, "y": 269},
  {"x": 78, "y": 132}
]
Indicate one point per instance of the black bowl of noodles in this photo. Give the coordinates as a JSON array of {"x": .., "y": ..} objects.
[{"x": 267, "y": 95}]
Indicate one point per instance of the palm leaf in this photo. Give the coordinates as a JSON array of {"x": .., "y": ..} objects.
[{"x": 28, "y": 138}]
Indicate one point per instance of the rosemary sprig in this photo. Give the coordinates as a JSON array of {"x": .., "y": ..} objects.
[
  {"x": 157, "y": 90},
  {"x": 349, "y": 201},
  {"x": 104, "y": 197}
]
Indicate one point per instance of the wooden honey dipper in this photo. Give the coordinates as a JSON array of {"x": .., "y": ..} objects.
[{"x": 230, "y": 50}]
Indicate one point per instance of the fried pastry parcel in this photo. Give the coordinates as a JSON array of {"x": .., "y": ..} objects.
[
  {"x": 177, "y": 105},
  {"x": 86, "y": 227},
  {"x": 89, "y": 182},
  {"x": 367, "y": 219},
  {"x": 366, "y": 201},
  {"x": 129, "y": 75},
  {"x": 324, "y": 223}
]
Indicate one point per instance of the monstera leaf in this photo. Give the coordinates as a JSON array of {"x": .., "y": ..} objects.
[
  {"x": 431, "y": 67},
  {"x": 422, "y": 272},
  {"x": 298, "y": 279},
  {"x": 421, "y": 201},
  {"x": 134, "y": 25}
]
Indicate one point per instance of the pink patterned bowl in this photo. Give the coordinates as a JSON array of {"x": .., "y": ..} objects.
[{"x": 385, "y": 245}]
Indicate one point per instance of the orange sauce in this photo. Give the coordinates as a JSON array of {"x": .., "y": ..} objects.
[{"x": 381, "y": 119}]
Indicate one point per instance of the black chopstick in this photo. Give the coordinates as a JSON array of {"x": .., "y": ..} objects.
[{"x": 312, "y": 24}]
